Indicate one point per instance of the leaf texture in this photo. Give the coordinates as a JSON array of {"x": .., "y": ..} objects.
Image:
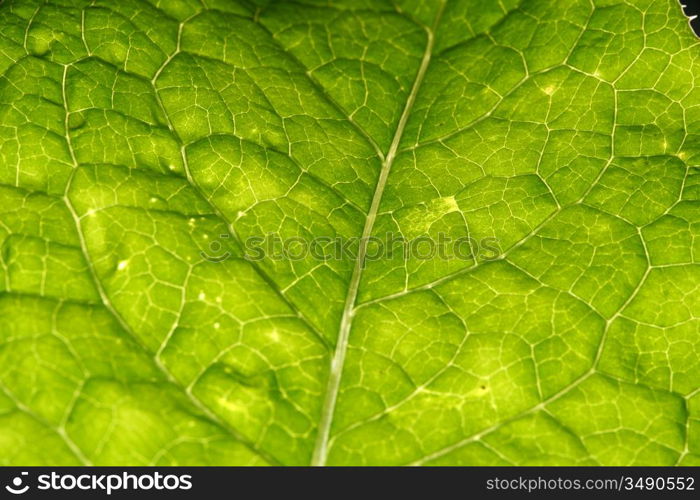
[{"x": 139, "y": 137}]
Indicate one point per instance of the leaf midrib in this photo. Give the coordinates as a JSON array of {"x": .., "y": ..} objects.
[{"x": 320, "y": 453}]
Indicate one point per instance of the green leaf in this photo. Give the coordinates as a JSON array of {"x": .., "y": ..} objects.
[{"x": 146, "y": 145}]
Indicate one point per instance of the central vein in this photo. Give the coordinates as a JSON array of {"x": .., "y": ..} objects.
[{"x": 336, "y": 370}]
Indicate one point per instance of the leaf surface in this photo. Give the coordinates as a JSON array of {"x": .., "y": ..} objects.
[{"x": 145, "y": 144}]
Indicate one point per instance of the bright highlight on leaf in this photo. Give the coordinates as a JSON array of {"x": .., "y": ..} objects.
[{"x": 487, "y": 214}]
